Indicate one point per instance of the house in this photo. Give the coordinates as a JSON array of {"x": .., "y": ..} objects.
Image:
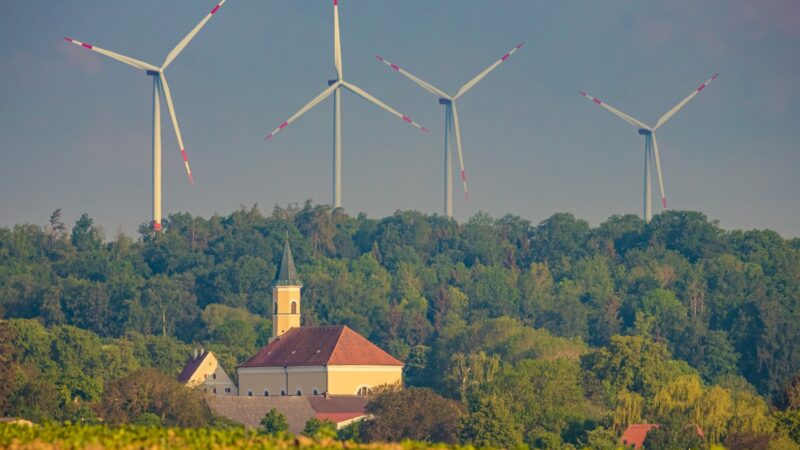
[
  {"x": 636, "y": 433},
  {"x": 303, "y": 361},
  {"x": 203, "y": 370}
]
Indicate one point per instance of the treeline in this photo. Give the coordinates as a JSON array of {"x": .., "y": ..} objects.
[{"x": 487, "y": 309}]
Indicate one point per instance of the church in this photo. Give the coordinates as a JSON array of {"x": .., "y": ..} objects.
[
  {"x": 305, "y": 372},
  {"x": 326, "y": 360}
]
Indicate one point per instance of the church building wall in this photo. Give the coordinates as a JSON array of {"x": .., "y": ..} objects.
[
  {"x": 273, "y": 380},
  {"x": 307, "y": 378},
  {"x": 257, "y": 380},
  {"x": 347, "y": 380}
]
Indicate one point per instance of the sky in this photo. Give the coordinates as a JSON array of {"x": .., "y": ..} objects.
[{"x": 75, "y": 126}]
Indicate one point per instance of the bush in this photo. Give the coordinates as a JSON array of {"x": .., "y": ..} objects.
[
  {"x": 144, "y": 391},
  {"x": 274, "y": 422},
  {"x": 415, "y": 413},
  {"x": 320, "y": 429}
]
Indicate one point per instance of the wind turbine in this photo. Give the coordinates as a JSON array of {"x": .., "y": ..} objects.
[
  {"x": 334, "y": 87},
  {"x": 159, "y": 84},
  {"x": 451, "y": 125},
  {"x": 650, "y": 142}
]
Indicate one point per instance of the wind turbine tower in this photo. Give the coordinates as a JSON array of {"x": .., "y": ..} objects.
[
  {"x": 159, "y": 85},
  {"x": 334, "y": 87},
  {"x": 651, "y": 143},
  {"x": 452, "y": 129}
]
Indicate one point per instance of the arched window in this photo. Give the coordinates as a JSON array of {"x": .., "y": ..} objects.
[
  {"x": 294, "y": 307},
  {"x": 266, "y": 393},
  {"x": 249, "y": 393},
  {"x": 315, "y": 391},
  {"x": 299, "y": 392},
  {"x": 215, "y": 390},
  {"x": 363, "y": 391},
  {"x": 283, "y": 393}
]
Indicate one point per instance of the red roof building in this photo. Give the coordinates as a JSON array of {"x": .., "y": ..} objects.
[
  {"x": 636, "y": 433},
  {"x": 302, "y": 361},
  {"x": 321, "y": 346}
]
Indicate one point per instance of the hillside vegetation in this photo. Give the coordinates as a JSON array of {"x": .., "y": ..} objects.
[{"x": 545, "y": 334}]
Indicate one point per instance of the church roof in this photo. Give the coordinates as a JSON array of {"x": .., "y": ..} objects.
[
  {"x": 287, "y": 274},
  {"x": 320, "y": 346}
]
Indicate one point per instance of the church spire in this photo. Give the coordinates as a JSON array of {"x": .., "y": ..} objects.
[
  {"x": 285, "y": 295},
  {"x": 287, "y": 274}
]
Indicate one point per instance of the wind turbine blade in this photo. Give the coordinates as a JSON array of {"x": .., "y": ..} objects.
[
  {"x": 616, "y": 112},
  {"x": 358, "y": 91},
  {"x": 188, "y": 38},
  {"x": 663, "y": 119},
  {"x": 422, "y": 83},
  {"x": 168, "y": 96},
  {"x": 322, "y": 96},
  {"x": 337, "y": 44},
  {"x": 141, "y": 65},
  {"x": 460, "y": 154},
  {"x": 481, "y": 75},
  {"x": 658, "y": 170}
]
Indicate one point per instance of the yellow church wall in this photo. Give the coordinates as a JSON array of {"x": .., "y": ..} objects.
[
  {"x": 347, "y": 380},
  {"x": 257, "y": 380},
  {"x": 307, "y": 379}
]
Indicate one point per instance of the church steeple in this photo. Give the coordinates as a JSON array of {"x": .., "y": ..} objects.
[
  {"x": 287, "y": 274},
  {"x": 285, "y": 295}
]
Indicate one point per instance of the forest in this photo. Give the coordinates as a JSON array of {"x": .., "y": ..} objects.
[{"x": 549, "y": 335}]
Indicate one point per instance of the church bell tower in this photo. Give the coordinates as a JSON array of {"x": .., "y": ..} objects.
[{"x": 285, "y": 296}]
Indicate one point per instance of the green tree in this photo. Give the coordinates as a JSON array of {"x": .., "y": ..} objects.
[
  {"x": 490, "y": 423},
  {"x": 414, "y": 413},
  {"x": 8, "y": 364},
  {"x": 320, "y": 429},
  {"x": 714, "y": 413},
  {"x": 471, "y": 371},
  {"x": 149, "y": 391},
  {"x": 547, "y": 395},
  {"x": 633, "y": 363},
  {"x": 672, "y": 435},
  {"x": 274, "y": 422},
  {"x": 627, "y": 410}
]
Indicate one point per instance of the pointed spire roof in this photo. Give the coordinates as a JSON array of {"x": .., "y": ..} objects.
[{"x": 287, "y": 274}]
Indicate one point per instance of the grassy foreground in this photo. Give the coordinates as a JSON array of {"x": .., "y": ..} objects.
[{"x": 57, "y": 436}]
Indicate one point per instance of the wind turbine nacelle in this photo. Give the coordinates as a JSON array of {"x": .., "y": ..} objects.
[
  {"x": 445, "y": 101},
  {"x": 644, "y": 132},
  {"x": 152, "y": 73},
  {"x": 332, "y": 82}
]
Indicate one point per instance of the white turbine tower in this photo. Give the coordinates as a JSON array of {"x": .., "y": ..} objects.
[
  {"x": 334, "y": 87},
  {"x": 650, "y": 142},
  {"x": 451, "y": 125},
  {"x": 159, "y": 85}
]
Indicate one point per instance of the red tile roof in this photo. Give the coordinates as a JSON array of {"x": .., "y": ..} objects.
[
  {"x": 636, "y": 433},
  {"x": 191, "y": 367},
  {"x": 319, "y": 346}
]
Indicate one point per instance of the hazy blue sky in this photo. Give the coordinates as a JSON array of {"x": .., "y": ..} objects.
[{"x": 75, "y": 126}]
